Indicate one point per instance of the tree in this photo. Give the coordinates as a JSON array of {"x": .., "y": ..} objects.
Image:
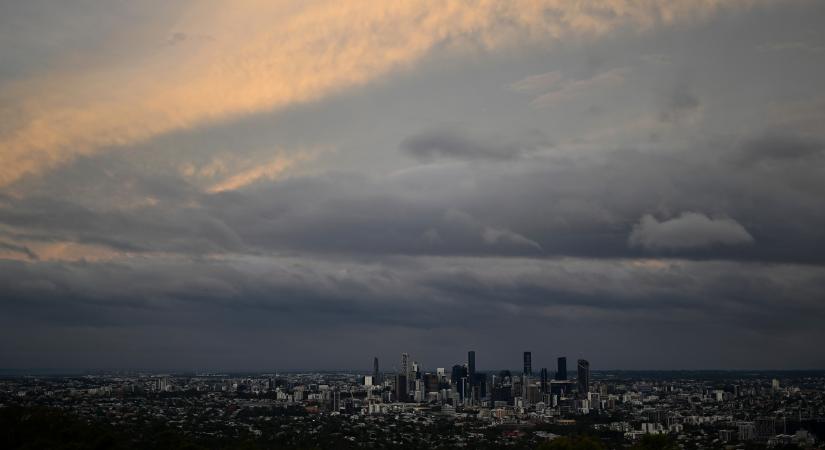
[
  {"x": 572, "y": 443},
  {"x": 655, "y": 442}
]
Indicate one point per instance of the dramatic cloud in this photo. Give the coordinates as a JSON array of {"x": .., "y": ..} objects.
[
  {"x": 689, "y": 230},
  {"x": 268, "y": 55},
  {"x": 199, "y": 182}
]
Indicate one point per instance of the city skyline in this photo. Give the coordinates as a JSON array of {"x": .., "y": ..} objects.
[{"x": 248, "y": 185}]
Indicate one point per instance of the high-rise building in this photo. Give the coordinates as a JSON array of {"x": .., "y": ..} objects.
[
  {"x": 583, "y": 378},
  {"x": 405, "y": 365},
  {"x": 401, "y": 387},
  {"x": 471, "y": 364},
  {"x": 528, "y": 363},
  {"x": 375, "y": 377},
  {"x": 561, "y": 371},
  {"x": 458, "y": 373},
  {"x": 543, "y": 387},
  {"x": 430, "y": 382}
]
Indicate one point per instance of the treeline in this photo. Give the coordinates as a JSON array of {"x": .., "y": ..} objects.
[{"x": 43, "y": 428}]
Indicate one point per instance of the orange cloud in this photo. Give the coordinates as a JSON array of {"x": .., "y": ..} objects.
[
  {"x": 256, "y": 55},
  {"x": 270, "y": 171}
]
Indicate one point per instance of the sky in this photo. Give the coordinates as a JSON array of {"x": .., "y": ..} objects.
[{"x": 273, "y": 185}]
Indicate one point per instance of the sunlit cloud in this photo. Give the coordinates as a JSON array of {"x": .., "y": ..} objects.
[
  {"x": 251, "y": 56},
  {"x": 268, "y": 171}
]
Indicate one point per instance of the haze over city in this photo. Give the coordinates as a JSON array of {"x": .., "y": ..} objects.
[{"x": 270, "y": 185}]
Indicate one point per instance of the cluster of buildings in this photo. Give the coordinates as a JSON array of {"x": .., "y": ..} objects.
[
  {"x": 449, "y": 407},
  {"x": 465, "y": 386}
]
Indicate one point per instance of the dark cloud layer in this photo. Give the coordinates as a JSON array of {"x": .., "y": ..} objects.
[
  {"x": 284, "y": 296},
  {"x": 455, "y": 144}
]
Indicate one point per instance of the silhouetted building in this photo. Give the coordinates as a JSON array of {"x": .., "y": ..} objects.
[
  {"x": 405, "y": 364},
  {"x": 502, "y": 393},
  {"x": 430, "y": 382},
  {"x": 543, "y": 376},
  {"x": 480, "y": 384},
  {"x": 583, "y": 378},
  {"x": 407, "y": 369},
  {"x": 375, "y": 377},
  {"x": 458, "y": 373},
  {"x": 528, "y": 363},
  {"x": 401, "y": 394},
  {"x": 561, "y": 371},
  {"x": 471, "y": 364}
]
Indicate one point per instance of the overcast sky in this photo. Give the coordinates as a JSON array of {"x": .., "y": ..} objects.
[{"x": 211, "y": 185}]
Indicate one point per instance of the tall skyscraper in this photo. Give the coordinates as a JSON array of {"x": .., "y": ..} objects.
[
  {"x": 561, "y": 371},
  {"x": 375, "y": 378},
  {"x": 583, "y": 378},
  {"x": 471, "y": 364},
  {"x": 528, "y": 364},
  {"x": 405, "y": 364},
  {"x": 544, "y": 386}
]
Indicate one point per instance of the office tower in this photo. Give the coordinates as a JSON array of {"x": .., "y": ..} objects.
[
  {"x": 471, "y": 364},
  {"x": 401, "y": 388},
  {"x": 583, "y": 377},
  {"x": 543, "y": 380},
  {"x": 375, "y": 378},
  {"x": 459, "y": 372},
  {"x": 405, "y": 363},
  {"x": 430, "y": 382},
  {"x": 528, "y": 364},
  {"x": 561, "y": 372}
]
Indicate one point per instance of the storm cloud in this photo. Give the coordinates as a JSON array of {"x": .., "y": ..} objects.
[{"x": 314, "y": 190}]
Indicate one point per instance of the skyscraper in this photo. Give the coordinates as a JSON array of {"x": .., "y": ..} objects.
[
  {"x": 528, "y": 363},
  {"x": 405, "y": 364},
  {"x": 375, "y": 378},
  {"x": 544, "y": 380},
  {"x": 401, "y": 388},
  {"x": 430, "y": 382},
  {"x": 583, "y": 378},
  {"x": 561, "y": 371},
  {"x": 458, "y": 373},
  {"x": 471, "y": 364}
]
